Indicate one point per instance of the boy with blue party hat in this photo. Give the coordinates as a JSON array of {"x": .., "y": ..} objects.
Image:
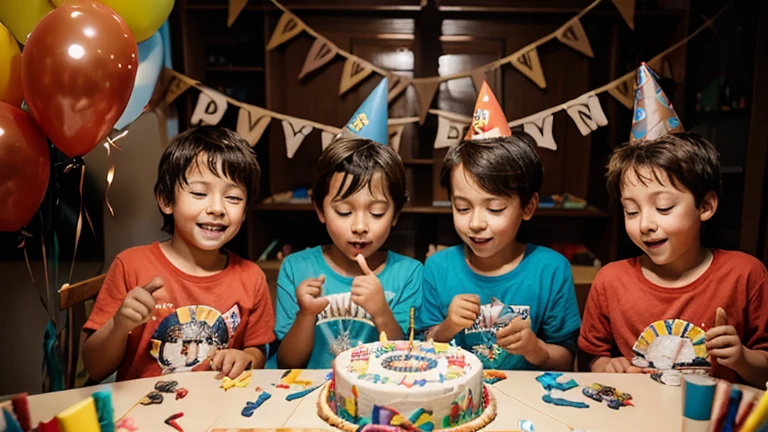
[
  {"x": 513, "y": 304},
  {"x": 333, "y": 297},
  {"x": 711, "y": 304}
]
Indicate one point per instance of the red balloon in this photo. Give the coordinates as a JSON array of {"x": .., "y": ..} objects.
[
  {"x": 79, "y": 65},
  {"x": 24, "y": 168}
]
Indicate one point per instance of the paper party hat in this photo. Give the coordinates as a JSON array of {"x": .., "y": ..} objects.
[
  {"x": 653, "y": 116},
  {"x": 370, "y": 120},
  {"x": 488, "y": 119}
]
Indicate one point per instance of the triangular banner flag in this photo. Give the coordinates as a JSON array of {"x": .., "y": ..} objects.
[
  {"x": 528, "y": 63},
  {"x": 587, "y": 113},
  {"x": 251, "y": 123},
  {"x": 425, "y": 92},
  {"x": 326, "y": 138},
  {"x": 541, "y": 131},
  {"x": 210, "y": 108},
  {"x": 322, "y": 52},
  {"x": 295, "y": 132},
  {"x": 449, "y": 132},
  {"x": 177, "y": 84},
  {"x": 235, "y": 7},
  {"x": 395, "y": 133},
  {"x": 478, "y": 77},
  {"x": 354, "y": 72},
  {"x": 627, "y": 10},
  {"x": 287, "y": 27},
  {"x": 624, "y": 92},
  {"x": 398, "y": 88},
  {"x": 575, "y": 37}
]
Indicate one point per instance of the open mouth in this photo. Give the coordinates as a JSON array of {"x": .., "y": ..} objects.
[
  {"x": 480, "y": 241},
  {"x": 653, "y": 244},
  {"x": 212, "y": 229},
  {"x": 359, "y": 246}
]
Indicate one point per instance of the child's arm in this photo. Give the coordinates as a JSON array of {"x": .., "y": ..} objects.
[
  {"x": 232, "y": 362},
  {"x": 462, "y": 313},
  {"x": 368, "y": 293},
  {"x": 103, "y": 350},
  {"x": 296, "y": 347},
  {"x": 724, "y": 344}
]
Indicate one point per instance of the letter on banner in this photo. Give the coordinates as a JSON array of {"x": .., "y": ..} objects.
[
  {"x": 295, "y": 132},
  {"x": 251, "y": 123},
  {"x": 541, "y": 131},
  {"x": 449, "y": 132},
  {"x": 322, "y": 52},
  {"x": 210, "y": 108},
  {"x": 287, "y": 27},
  {"x": 587, "y": 113},
  {"x": 624, "y": 92},
  {"x": 528, "y": 63}
]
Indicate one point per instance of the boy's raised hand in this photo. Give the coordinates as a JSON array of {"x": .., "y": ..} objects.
[
  {"x": 231, "y": 362},
  {"x": 462, "y": 312},
  {"x": 137, "y": 306},
  {"x": 367, "y": 290},
  {"x": 309, "y": 295},
  {"x": 723, "y": 341},
  {"x": 518, "y": 338}
]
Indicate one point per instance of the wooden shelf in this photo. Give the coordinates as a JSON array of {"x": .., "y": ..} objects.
[
  {"x": 589, "y": 212},
  {"x": 234, "y": 68}
]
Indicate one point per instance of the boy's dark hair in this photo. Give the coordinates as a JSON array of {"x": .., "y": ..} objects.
[
  {"x": 687, "y": 159},
  {"x": 238, "y": 162},
  {"x": 360, "y": 160},
  {"x": 502, "y": 166}
]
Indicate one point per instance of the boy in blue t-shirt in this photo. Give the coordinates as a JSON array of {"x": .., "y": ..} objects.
[
  {"x": 510, "y": 303},
  {"x": 331, "y": 298}
]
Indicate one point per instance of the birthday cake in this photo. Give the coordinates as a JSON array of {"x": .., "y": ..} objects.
[{"x": 401, "y": 385}]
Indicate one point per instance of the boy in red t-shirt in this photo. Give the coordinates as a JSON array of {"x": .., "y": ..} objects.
[
  {"x": 668, "y": 182},
  {"x": 186, "y": 303}
]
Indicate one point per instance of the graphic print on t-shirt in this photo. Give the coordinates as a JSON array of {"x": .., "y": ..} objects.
[
  {"x": 343, "y": 324},
  {"x": 480, "y": 338},
  {"x": 191, "y": 334}
]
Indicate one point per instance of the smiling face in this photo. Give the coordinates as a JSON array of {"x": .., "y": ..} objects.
[
  {"x": 361, "y": 222},
  {"x": 208, "y": 210},
  {"x": 661, "y": 219},
  {"x": 487, "y": 223}
]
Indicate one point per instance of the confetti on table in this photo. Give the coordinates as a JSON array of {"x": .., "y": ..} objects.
[
  {"x": 549, "y": 381},
  {"x": 250, "y": 407},
  {"x": 563, "y": 402},
  {"x": 181, "y": 393},
  {"x": 493, "y": 376},
  {"x": 301, "y": 394},
  {"x": 126, "y": 425},
  {"x": 171, "y": 421},
  {"x": 166, "y": 386},
  {"x": 241, "y": 381},
  {"x": 615, "y": 398},
  {"x": 151, "y": 398}
]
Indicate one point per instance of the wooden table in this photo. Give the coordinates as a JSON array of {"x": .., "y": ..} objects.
[{"x": 208, "y": 407}]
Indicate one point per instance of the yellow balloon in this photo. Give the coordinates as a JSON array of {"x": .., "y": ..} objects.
[
  {"x": 21, "y": 16},
  {"x": 10, "y": 69},
  {"x": 144, "y": 17}
]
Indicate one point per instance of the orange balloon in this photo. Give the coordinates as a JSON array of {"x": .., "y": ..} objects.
[
  {"x": 24, "y": 168},
  {"x": 80, "y": 65}
]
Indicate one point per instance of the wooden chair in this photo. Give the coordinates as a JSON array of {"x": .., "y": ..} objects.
[{"x": 72, "y": 299}]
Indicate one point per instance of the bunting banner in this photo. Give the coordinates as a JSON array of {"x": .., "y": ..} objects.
[
  {"x": 395, "y": 133},
  {"x": 397, "y": 85},
  {"x": 322, "y": 52},
  {"x": 528, "y": 63},
  {"x": 587, "y": 113},
  {"x": 574, "y": 36},
  {"x": 210, "y": 108},
  {"x": 287, "y": 27},
  {"x": 478, "y": 77},
  {"x": 425, "y": 92},
  {"x": 326, "y": 138},
  {"x": 235, "y": 7},
  {"x": 624, "y": 92},
  {"x": 541, "y": 131},
  {"x": 176, "y": 85},
  {"x": 295, "y": 132},
  {"x": 251, "y": 123},
  {"x": 450, "y": 128},
  {"x": 354, "y": 72},
  {"x": 627, "y": 10}
]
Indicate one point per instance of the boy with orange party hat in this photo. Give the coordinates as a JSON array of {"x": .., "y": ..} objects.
[
  {"x": 679, "y": 305},
  {"x": 512, "y": 304}
]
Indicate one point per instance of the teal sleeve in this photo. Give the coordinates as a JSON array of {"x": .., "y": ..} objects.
[
  {"x": 562, "y": 320},
  {"x": 287, "y": 305},
  {"x": 410, "y": 297},
  {"x": 431, "y": 311}
]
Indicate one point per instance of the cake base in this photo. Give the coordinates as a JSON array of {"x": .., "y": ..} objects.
[{"x": 326, "y": 413}]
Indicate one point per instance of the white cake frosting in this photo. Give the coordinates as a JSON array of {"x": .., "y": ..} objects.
[{"x": 430, "y": 385}]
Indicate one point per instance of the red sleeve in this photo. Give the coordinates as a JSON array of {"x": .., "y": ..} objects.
[
  {"x": 259, "y": 327},
  {"x": 111, "y": 296},
  {"x": 595, "y": 337},
  {"x": 756, "y": 326}
]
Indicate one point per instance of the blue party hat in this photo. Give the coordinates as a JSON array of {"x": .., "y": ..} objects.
[
  {"x": 370, "y": 120},
  {"x": 654, "y": 115}
]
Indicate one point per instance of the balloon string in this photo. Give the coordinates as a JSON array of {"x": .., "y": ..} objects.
[
  {"x": 79, "y": 223},
  {"x": 52, "y": 314}
]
